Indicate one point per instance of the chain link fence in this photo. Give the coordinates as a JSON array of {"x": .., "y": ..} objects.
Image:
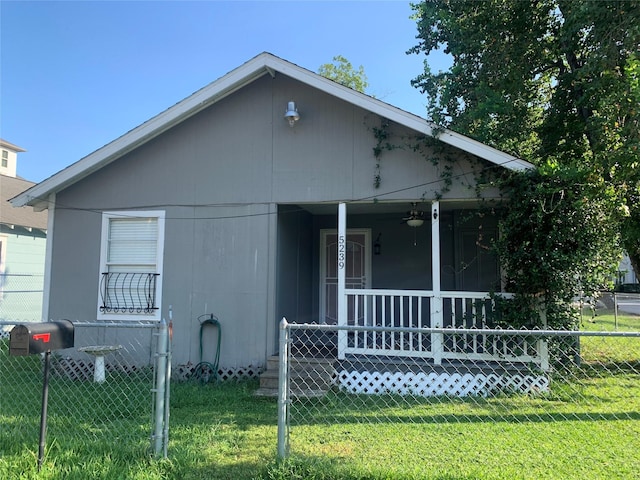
[
  {"x": 620, "y": 303},
  {"x": 21, "y": 297},
  {"x": 101, "y": 392},
  {"x": 577, "y": 390}
]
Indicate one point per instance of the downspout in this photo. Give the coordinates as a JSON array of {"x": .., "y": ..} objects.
[{"x": 46, "y": 286}]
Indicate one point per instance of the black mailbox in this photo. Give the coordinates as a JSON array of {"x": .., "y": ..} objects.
[{"x": 44, "y": 337}]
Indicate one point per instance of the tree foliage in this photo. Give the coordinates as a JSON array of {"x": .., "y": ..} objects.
[
  {"x": 555, "y": 240},
  {"x": 555, "y": 82},
  {"x": 342, "y": 71}
]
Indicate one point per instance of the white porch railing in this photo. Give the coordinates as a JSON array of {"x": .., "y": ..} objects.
[{"x": 423, "y": 309}]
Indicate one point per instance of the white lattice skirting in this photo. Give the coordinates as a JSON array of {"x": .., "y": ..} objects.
[
  {"x": 185, "y": 372},
  {"x": 433, "y": 384}
]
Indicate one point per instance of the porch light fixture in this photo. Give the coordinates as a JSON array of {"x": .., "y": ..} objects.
[
  {"x": 377, "y": 247},
  {"x": 291, "y": 114},
  {"x": 415, "y": 217}
]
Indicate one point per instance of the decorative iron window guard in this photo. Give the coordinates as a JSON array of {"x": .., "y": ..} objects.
[{"x": 128, "y": 292}]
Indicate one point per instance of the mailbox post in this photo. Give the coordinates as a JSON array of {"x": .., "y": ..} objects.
[{"x": 33, "y": 338}]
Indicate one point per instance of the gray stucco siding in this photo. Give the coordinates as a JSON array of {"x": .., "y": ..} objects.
[
  {"x": 222, "y": 268},
  {"x": 75, "y": 266},
  {"x": 211, "y": 265},
  {"x": 241, "y": 150}
]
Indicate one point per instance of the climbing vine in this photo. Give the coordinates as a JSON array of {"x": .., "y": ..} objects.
[
  {"x": 432, "y": 150},
  {"x": 555, "y": 242},
  {"x": 381, "y": 135}
]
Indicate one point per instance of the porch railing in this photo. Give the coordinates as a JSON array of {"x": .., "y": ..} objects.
[{"x": 424, "y": 309}]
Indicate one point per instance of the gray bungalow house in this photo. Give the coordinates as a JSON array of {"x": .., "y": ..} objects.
[{"x": 274, "y": 192}]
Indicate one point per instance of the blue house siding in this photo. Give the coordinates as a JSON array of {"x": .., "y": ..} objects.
[{"x": 22, "y": 279}]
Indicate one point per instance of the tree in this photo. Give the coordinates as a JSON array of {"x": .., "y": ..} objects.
[
  {"x": 342, "y": 71},
  {"x": 555, "y": 82}
]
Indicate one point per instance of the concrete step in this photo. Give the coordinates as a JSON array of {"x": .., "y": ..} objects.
[
  {"x": 270, "y": 380},
  {"x": 309, "y": 377},
  {"x": 273, "y": 362},
  {"x": 294, "y": 393}
]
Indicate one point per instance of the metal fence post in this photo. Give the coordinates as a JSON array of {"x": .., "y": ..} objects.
[
  {"x": 283, "y": 391},
  {"x": 167, "y": 393},
  {"x": 43, "y": 412},
  {"x": 160, "y": 389}
]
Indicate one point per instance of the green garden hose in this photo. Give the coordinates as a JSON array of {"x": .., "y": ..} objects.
[{"x": 206, "y": 371}]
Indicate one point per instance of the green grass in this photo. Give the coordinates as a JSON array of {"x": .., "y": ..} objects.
[
  {"x": 605, "y": 321},
  {"x": 586, "y": 428},
  {"x": 620, "y": 352}
]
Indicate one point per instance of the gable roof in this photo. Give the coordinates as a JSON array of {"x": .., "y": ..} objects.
[
  {"x": 22, "y": 217},
  {"x": 263, "y": 64},
  {"x": 11, "y": 146}
]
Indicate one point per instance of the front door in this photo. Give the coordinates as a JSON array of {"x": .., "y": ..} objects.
[{"x": 358, "y": 268}]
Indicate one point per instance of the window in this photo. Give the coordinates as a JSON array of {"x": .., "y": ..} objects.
[
  {"x": 131, "y": 265},
  {"x": 5, "y": 158}
]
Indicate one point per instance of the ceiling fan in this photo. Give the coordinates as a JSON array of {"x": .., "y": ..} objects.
[{"x": 415, "y": 217}]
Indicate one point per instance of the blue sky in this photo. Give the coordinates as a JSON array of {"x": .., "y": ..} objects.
[{"x": 76, "y": 75}]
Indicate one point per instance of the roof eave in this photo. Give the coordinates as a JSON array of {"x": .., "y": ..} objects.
[
  {"x": 145, "y": 132},
  {"x": 260, "y": 65},
  {"x": 405, "y": 118}
]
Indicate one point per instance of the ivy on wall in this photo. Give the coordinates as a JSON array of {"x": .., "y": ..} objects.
[
  {"x": 433, "y": 151},
  {"x": 555, "y": 242}
]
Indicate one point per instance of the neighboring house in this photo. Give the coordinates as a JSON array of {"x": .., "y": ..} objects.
[
  {"x": 625, "y": 272},
  {"x": 222, "y": 205},
  {"x": 9, "y": 158},
  {"x": 23, "y": 235}
]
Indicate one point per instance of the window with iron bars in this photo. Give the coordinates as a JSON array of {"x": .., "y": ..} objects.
[{"x": 131, "y": 265}]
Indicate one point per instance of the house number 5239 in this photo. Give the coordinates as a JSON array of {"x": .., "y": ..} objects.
[{"x": 342, "y": 249}]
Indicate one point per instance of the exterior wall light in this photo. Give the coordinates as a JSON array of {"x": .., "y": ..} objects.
[
  {"x": 377, "y": 246},
  {"x": 292, "y": 114}
]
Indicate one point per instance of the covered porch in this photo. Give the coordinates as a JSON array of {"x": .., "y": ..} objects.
[{"x": 375, "y": 270}]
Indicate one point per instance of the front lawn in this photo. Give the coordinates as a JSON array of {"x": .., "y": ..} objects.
[{"x": 587, "y": 427}]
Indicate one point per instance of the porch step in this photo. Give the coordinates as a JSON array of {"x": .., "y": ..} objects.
[{"x": 309, "y": 377}]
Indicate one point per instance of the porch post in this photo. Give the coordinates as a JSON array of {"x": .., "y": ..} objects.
[
  {"x": 436, "y": 301},
  {"x": 342, "y": 260}
]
